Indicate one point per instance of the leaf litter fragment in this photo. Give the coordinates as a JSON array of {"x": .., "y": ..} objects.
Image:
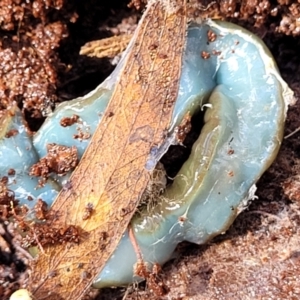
[{"x": 111, "y": 176}]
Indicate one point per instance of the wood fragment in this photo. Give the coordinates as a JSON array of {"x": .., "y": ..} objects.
[{"x": 108, "y": 47}]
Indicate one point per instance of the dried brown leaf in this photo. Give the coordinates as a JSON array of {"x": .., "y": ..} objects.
[{"x": 111, "y": 176}]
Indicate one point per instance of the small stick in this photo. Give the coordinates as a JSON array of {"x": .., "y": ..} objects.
[
  {"x": 292, "y": 133},
  {"x": 134, "y": 243}
]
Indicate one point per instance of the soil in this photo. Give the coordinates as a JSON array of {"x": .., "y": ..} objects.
[{"x": 40, "y": 66}]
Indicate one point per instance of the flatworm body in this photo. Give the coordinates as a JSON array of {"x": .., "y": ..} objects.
[
  {"x": 234, "y": 78},
  {"x": 246, "y": 107},
  {"x": 18, "y": 154}
]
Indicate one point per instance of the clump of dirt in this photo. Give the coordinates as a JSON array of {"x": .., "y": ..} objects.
[
  {"x": 13, "y": 260},
  {"x": 7, "y": 199},
  {"x": 59, "y": 160},
  {"x": 45, "y": 233},
  {"x": 28, "y": 59}
]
